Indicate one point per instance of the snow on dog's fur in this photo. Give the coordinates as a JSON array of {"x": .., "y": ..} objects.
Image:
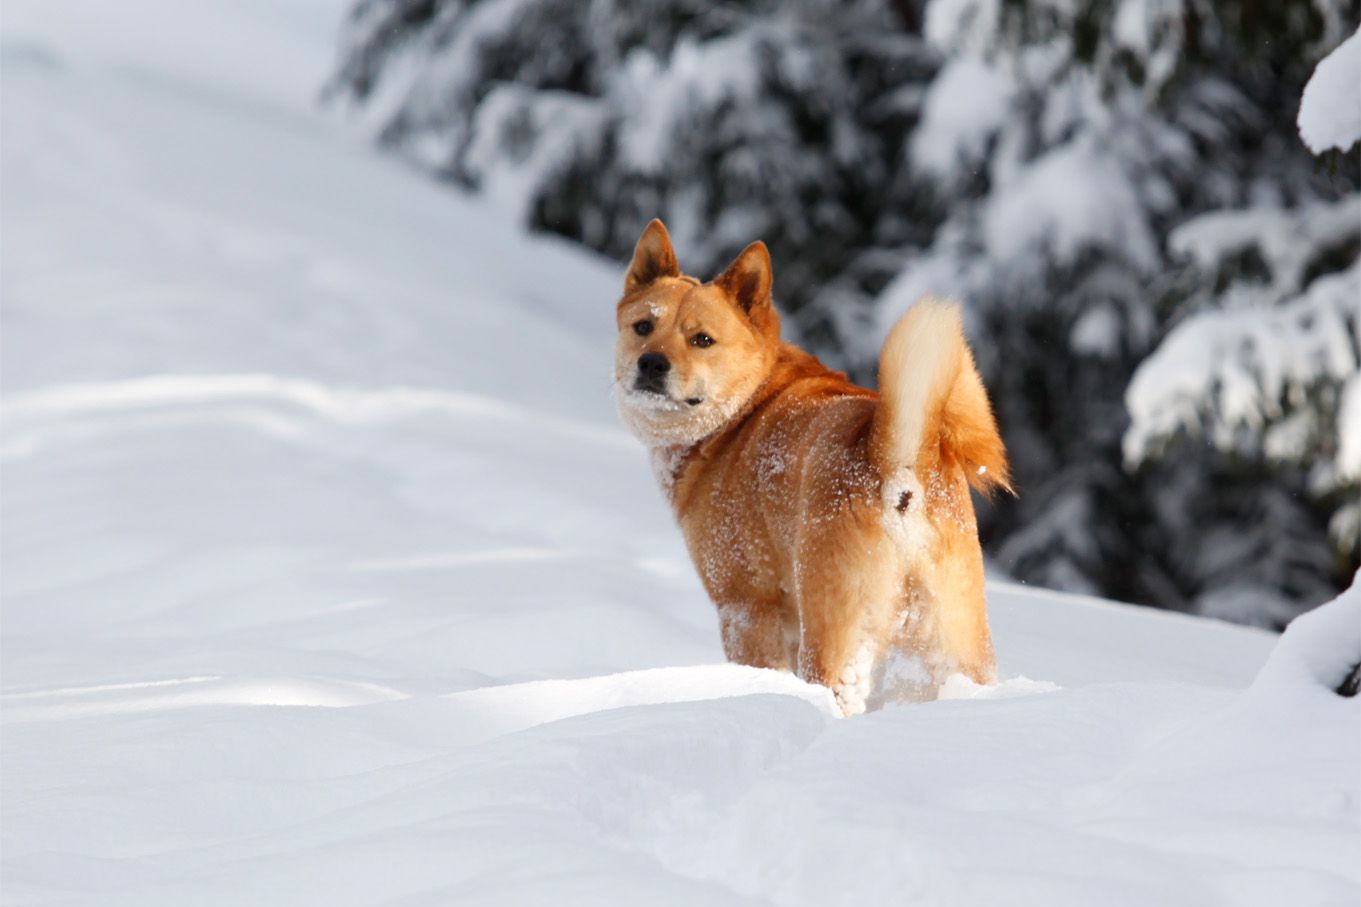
[{"x": 832, "y": 526}]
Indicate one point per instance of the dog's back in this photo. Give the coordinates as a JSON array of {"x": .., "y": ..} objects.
[{"x": 833, "y": 526}]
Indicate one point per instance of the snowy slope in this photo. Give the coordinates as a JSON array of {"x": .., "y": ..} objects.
[{"x": 329, "y": 576}]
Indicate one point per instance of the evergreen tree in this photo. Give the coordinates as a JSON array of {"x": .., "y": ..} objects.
[
  {"x": 1059, "y": 149},
  {"x": 1097, "y": 180},
  {"x": 729, "y": 121}
]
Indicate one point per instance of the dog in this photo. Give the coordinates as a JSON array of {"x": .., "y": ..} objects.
[{"x": 832, "y": 526}]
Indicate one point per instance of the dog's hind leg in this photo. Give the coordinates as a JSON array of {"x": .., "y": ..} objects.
[
  {"x": 756, "y": 633},
  {"x": 848, "y": 587},
  {"x": 959, "y": 624},
  {"x": 949, "y": 625}
]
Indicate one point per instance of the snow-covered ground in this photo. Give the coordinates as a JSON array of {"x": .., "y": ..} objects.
[{"x": 329, "y": 576}]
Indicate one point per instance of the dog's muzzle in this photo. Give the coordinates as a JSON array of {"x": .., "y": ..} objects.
[{"x": 652, "y": 372}]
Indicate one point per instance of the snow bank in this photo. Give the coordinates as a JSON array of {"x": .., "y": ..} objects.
[
  {"x": 1317, "y": 651},
  {"x": 1330, "y": 112}
]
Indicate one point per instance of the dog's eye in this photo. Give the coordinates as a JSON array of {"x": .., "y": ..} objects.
[
  {"x": 642, "y": 328},
  {"x": 702, "y": 340}
]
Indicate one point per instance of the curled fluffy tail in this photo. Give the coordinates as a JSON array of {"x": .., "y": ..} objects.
[{"x": 933, "y": 409}]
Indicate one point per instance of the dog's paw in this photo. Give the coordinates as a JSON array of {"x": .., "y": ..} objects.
[{"x": 851, "y": 689}]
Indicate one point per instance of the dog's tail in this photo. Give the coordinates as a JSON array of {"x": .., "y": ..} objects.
[{"x": 934, "y": 411}]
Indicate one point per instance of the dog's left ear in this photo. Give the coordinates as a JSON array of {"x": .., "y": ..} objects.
[
  {"x": 748, "y": 279},
  {"x": 653, "y": 257}
]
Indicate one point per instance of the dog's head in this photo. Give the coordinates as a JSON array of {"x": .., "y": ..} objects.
[{"x": 690, "y": 354}]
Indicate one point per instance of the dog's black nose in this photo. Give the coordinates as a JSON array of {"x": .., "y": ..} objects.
[{"x": 653, "y": 365}]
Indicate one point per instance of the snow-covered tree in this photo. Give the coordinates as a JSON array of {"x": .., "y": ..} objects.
[
  {"x": 729, "y": 121},
  {"x": 1258, "y": 381},
  {"x": 1062, "y": 147},
  {"x": 1097, "y": 179},
  {"x": 1262, "y": 373}
]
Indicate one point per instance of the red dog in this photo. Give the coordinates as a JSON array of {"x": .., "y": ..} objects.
[{"x": 832, "y": 526}]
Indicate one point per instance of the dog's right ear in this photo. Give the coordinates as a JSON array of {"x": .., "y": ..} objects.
[
  {"x": 653, "y": 257},
  {"x": 747, "y": 280}
]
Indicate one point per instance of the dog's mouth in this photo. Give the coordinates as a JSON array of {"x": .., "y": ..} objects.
[{"x": 660, "y": 399}]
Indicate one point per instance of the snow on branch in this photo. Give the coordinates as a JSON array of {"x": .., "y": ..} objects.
[
  {"x": 1271, "y": 366},
  {"x": 1330, "y": 110}
]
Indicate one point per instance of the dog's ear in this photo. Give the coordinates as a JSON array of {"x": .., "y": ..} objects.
[
  {"x": 653, "y": 257},
  {"x": 748, "y": 279}
]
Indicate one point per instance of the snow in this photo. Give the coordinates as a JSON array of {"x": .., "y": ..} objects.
[
  {"x": 1224, "y": 369},
  {"x": 1072, "y": 198},
  {"x": 1150, "y": 30},
  {"x": 965, "y": 25},
  {"x": 331, "y": 577},
  {"x": 658, "y": 92},
  {"x": 509, "y": 172},
  {"x": 1330, "y": 113},
  {"x": 1349, "y": 429},
  {"x": 1264, "y": 366},
  {"x": 257, "y": 51},
  {"x": 1288, "y": 240},
  {"x": 964, "y": 107}
]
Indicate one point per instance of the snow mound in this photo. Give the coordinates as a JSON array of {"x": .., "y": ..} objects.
[
  {"x": 513, "y": 707},
  {"x": 1318, "y": 650}
]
